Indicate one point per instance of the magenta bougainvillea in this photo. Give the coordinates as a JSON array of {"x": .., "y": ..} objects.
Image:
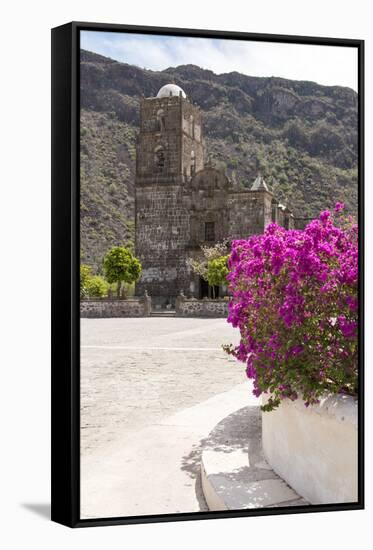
[{"x": 294, "y": 300}]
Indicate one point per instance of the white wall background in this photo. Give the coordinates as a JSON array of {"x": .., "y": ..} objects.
[{"x": 25, "y": 266}]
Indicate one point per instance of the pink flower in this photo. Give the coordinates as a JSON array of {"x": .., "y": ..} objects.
[
  {"x": 352, "y": 303},
  {"x": 348, "y": 328},
  {"x": 294, "y": 301},
  {"x": 324, "y": 216}
]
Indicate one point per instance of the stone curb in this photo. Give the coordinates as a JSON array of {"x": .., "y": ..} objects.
[{"x": 234, "y": 473}]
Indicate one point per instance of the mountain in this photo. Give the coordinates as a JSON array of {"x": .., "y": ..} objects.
[{"x": 301, "y": 136}]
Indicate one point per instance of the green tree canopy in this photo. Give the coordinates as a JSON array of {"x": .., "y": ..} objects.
[
  {"x": 217, "y": 271},
  {"x": 97, "y": 287},
  {"x": 208, "y": 253},
  {"x": 85, "y": 274},
  {"x": 120, "y": 265}
]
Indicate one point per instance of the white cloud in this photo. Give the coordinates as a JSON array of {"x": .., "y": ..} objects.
[{"x": 328, "y": 65}]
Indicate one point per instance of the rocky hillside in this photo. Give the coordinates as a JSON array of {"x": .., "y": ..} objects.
[{"x": 302, "y": 137}]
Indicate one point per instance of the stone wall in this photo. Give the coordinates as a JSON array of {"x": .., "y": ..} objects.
[
  {"x": 207, "y": 203},
  {"x": 134, "y": 307},
  {"x": 249, "y": 212},
  {"x": 162, "y": 235},
  {"x": 201, "y": 308},
  {"x": 192, "y": 150}
]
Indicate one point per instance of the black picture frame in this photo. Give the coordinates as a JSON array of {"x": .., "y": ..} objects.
[{"x": 65, "y": 469}]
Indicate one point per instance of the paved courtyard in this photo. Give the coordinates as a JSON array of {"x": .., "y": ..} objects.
[
  {"x": 136, "y": 371},
  {"x": 142, "y": 381}
]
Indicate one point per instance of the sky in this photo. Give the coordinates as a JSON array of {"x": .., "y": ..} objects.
[{"x": 327, "y": 65}]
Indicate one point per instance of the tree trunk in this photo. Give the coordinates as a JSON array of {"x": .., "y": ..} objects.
[{"x": 118, "y": 289}]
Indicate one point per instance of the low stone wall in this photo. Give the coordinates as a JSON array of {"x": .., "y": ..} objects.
[
  {"x": 201, "y": 308},
  {"x": 133, "y": 307},
  {"x": 315, "y": 449}
]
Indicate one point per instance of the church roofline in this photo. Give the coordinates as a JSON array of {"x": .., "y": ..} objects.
[
  {"x": 172, "y": 98},
  {"x": 259, "y": 184},
  {"x": 251, "y": 191}
]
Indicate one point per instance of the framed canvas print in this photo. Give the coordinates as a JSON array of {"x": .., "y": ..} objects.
[{"x": 207, "y": 277}]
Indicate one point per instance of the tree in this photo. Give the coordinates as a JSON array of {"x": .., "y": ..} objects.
[
  {"x": 217, "y": 271},
  {"x": 85, "y": 274},
  {"x": 120, "y": 265},
  {"x": 97, "y": 287},
  {"x": 200, "y": 265}
]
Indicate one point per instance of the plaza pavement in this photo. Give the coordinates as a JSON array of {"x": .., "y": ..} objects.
[
  {"x": 151, "y": 390},
  {"x": 135, "y": 372}
]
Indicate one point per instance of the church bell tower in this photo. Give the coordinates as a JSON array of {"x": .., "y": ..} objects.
[{"x": 169, "y": 152}]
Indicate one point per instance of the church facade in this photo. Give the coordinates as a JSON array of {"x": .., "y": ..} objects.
[{"x": 183, "y": 202}]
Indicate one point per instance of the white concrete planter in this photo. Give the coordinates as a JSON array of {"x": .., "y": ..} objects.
[{"x": 314, "y": 449}]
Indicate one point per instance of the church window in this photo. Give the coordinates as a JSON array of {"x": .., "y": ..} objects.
[
  {"x": 209, "y": 231},
  {"x": 159, "y": 157},
  {"x": 161, "y": 120}
]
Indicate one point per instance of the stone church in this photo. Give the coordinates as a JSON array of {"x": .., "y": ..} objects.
[{"x": 183, "y": 202}]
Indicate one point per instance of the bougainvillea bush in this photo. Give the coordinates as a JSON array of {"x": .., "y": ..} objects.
[{"x": 294, "y": 300}]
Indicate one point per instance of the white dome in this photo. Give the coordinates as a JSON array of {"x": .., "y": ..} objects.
[{"x": 171, "y": 90}]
